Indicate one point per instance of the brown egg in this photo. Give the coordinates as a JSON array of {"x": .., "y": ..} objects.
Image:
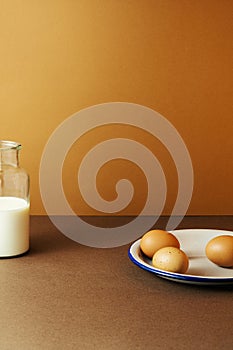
[
  {"x": 155, "y": 239},
  {"x": 171, "y": 259},
  {"x": 219, "y": 250}
]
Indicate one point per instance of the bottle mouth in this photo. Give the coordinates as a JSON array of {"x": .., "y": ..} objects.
[{"x": 9, "y": 145}]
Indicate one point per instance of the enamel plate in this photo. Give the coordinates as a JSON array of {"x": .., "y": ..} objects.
[{"x": 201, "y": 270}]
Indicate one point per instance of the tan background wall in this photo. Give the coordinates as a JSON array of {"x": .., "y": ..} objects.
[{"x": 174, "y": 56}]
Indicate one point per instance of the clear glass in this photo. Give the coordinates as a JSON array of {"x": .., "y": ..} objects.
[{"x": 14, "y": 202}]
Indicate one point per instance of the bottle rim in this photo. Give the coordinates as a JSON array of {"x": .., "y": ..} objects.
[{"x": 6, "y": 145}]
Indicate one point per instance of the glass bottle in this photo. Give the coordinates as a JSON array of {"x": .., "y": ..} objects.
[{"x": 14, "y": 202}]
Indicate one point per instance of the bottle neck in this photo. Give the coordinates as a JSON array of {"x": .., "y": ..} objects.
[
  {"x": 9, "y": 154},
  {"x": 9, "y": 157}
]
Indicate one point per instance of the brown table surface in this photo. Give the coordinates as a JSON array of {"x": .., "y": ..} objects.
[{"x": 62, "y": 295}]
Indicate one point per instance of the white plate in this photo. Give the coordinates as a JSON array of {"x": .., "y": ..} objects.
[{"x": 201, "y": 270}]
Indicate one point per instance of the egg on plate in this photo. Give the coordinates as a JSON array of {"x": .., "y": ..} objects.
[
  {"x": 219, "y": 250},
  {"x": 155, "y": 239},
  {"x": 171, "y": 259}
]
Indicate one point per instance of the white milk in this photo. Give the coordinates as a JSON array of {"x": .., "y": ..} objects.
[{"x": 14, "y": 226}]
